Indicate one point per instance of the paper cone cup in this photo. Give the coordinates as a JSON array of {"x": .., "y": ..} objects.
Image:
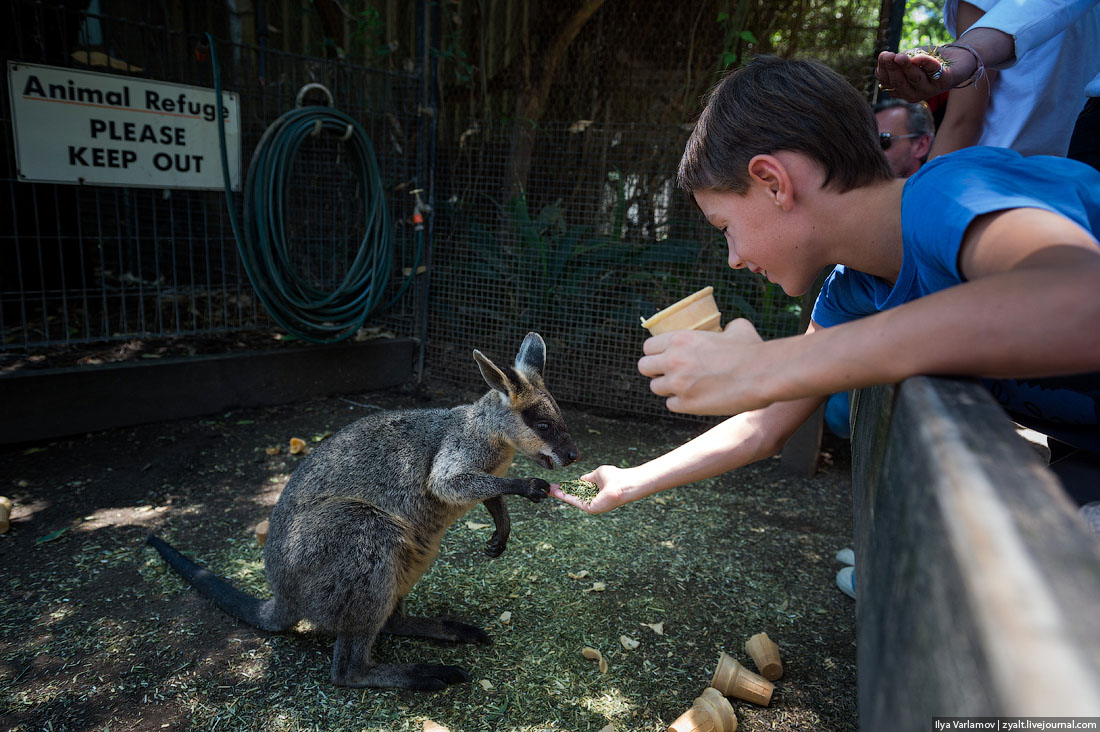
[
  {"x": 5, "y": 514},
  {"x": 712, "y": 322},
  {"x": 765, "y": 654},
  {"x": 733, "y": 679},
  {"x": 261, "y": 531},
  {"x": 711, "y": 712},
  {"x": 697, "y": 311}
]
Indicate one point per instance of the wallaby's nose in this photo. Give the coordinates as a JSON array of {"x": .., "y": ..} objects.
[{"x": 572, "y": 455}]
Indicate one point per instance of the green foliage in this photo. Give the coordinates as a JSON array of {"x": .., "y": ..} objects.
[
  {"x": 541, "y": 270},
  {"x": 734, "y": 38},
  {"x": 369, "y": 30},
  {"x": 451, "y": 50},
  {"x": 367, "y": 36},
  {"x": 545, "y": 270},
  {"x": 923, "y": 24}
]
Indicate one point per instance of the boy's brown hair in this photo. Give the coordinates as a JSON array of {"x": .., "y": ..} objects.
[{"x": 773, "y": 104}]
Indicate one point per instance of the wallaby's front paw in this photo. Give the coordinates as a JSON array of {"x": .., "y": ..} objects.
[{"x": 536, "y": 489}]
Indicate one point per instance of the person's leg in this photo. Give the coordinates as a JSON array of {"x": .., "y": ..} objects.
[{"x": 838, "y": 415}]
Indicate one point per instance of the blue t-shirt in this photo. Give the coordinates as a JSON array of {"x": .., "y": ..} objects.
[{"x": 938, "y": 204}]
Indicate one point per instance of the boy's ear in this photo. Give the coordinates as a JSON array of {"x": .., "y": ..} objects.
[{"x": 769, "y": 172}]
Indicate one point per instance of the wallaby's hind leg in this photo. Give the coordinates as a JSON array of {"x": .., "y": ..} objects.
[
  {"x": 436, "y": 628},
  {"x": 351, "y": 666}
]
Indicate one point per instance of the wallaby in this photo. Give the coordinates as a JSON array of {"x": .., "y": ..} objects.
[{"x": 362, "y": 518}]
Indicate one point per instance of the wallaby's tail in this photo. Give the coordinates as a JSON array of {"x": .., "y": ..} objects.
[{"x": 262, "y": 614}]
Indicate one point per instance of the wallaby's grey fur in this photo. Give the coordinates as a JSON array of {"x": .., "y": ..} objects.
[{"x": 362, "y": 518}]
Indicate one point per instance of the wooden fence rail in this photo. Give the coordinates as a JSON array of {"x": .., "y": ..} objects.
[{"x": 978, "y": 584}]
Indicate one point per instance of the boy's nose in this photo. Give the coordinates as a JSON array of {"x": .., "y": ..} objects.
[{"x": 734, "y": 261}]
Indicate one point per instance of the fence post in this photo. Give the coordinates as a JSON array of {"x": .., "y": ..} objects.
[
  {"x": 976, "y": 582},
  {"x": 801, "y": 452}
]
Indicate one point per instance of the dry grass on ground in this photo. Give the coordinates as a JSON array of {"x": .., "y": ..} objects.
[{"x": 96, "y": 634}]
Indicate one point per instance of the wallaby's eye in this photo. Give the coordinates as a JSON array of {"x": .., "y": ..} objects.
[{"x": 542, "y": 426}]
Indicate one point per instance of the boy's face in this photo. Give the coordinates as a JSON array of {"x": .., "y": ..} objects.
[{"x": 761, "y": 236}]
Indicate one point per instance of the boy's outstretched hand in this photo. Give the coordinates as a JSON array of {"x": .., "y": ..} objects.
[
  {"x": 708, "y": 373},
  {"x": 609, "y": 480}
]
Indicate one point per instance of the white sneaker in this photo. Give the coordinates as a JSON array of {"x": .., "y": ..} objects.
[
  {"x": 1090, "y": 512},
  {"x": 846, "y": 581},
  {"x": 846, "y": 556}
]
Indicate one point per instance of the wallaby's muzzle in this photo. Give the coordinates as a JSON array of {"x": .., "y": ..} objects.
[{"x": 560, "y": 456}]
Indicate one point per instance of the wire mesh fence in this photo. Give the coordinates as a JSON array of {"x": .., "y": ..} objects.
[
  {"x": 546, "y": 135},
  {"x": 83, "y": 264},
  {"x": 600, "y": 238},
  {"x": 561, "y": 129}
]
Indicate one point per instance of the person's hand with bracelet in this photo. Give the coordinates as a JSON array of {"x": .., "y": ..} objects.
[{"x": 918, "y": 74}]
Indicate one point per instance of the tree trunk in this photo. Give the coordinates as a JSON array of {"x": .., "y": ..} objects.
[{"x": 531, "y": 100}]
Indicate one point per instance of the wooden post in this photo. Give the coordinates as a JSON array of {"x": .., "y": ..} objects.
[
  {"x": 976, "y": 582},
  {"x": 801, "y": 452}
]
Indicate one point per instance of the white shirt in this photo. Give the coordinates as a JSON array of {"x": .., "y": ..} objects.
[
  {"x": 1034, "y": 22},
  {"x": 1034, "y": 101}
]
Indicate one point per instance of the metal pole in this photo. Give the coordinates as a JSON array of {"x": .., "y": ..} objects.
[{"x": 427, "y": 17}]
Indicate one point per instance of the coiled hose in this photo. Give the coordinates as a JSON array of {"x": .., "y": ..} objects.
[{"x": 304, "y": 310}]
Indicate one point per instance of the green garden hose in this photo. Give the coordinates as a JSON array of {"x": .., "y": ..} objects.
[{"x": 303, "y": 309}]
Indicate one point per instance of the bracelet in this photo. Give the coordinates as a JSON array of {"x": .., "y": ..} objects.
[{"x": 978, "y": 73}]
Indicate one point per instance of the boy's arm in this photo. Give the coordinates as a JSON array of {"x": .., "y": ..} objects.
[
  {"x": 737, "y": 441},
  {"x": 1029, "y": 309}
]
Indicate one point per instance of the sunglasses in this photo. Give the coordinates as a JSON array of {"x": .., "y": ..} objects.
[{"x": 885, "y": 139}]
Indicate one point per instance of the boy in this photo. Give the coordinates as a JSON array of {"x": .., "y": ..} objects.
[{"x": 983, "y": 263}]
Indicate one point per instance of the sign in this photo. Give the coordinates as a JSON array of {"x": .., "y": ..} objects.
[{"x": 91, "y": 128}]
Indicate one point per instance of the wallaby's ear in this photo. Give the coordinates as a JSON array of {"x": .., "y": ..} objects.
[
  {"x": 532, "y": 355},
  {"x": 492, "y": 374}
]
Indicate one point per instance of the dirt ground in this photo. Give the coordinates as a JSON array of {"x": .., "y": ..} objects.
[{"x": 96, "y": 634}]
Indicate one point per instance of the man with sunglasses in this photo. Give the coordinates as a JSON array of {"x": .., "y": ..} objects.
[{"x": 905, "y": 133}]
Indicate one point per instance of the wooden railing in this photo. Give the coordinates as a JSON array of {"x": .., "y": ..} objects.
[{"x": 978, "y": 584}]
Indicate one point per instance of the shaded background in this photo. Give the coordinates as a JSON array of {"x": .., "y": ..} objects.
[{"x": 545, "y": 135}]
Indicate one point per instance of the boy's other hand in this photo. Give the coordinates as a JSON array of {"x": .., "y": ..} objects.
[{"x": 706, "y": 373}]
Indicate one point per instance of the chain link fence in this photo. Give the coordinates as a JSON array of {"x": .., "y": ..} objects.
[
  {"x": 86, "y": 264},
  {"x": 556, "y": 204},
  {"x": 547, "y": 142},
  {"x": 599, "y": 239}
]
